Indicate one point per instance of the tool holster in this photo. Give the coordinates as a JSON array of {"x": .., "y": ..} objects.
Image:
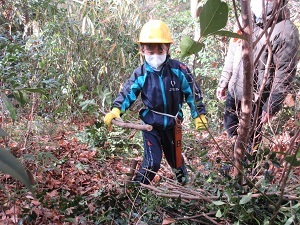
[{"x": 178, "y": 143}]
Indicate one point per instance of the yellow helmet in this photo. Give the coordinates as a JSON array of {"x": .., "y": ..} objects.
[{"x": 155, "y": 31}]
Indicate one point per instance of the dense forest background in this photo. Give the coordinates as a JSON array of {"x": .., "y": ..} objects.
[{"x": 63, "y": 62}]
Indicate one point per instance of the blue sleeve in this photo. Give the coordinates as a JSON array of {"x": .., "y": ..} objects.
[
  {"x": 130, "y": 91},
  {"x": 191, "y": 91}
]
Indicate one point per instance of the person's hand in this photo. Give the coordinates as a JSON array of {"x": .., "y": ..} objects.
[
  {"x": 221, "y": 94},
  {"x": 114, "y": 113},
  {"x": 265, "y": 117},
  {"x": 201, "y": 122}
]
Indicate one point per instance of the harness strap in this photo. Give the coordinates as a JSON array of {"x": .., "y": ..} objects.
[{"x": 165, "y": 114}]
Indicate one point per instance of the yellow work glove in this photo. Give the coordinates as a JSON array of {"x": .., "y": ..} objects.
[
  {"x": 201, "y": 122},
  {"x": 114, "y": 113}
]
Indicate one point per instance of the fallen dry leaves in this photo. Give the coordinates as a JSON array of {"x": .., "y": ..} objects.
[{"x": 64, "y": 168}]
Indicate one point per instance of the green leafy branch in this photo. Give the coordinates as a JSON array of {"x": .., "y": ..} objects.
[
  {"x": 9, "y": 164},
  {"x": 213, "y": 17}
]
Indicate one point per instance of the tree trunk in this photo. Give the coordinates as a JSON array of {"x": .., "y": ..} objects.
[{"x": 246, "y": 105}]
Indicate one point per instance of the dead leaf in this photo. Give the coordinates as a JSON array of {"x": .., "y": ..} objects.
[
  {"x": 168, "y": 221},
  {"x": 289, "y": 100}
]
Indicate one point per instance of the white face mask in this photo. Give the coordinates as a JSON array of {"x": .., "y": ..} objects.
[
  {"x": 257, "y": 8},
  {"x": 155, "y": 61}
]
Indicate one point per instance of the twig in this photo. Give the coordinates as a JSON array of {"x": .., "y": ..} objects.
[
  {"x": 30, "y": 121},
  {"x": 199, "y": 215},
  {"x": 131, "y": 172},
  {"x": 209, "y": 218},
  {"x": 180, "y": 193},
  {"x": 285, "y": 178},
  {"x": 173, "y": 195}
]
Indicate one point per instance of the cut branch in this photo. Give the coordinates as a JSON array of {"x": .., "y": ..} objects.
[{"x": 122, "y": 124}]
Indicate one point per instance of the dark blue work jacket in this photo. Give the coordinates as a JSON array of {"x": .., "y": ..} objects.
[{"x": 162, "y": 92}]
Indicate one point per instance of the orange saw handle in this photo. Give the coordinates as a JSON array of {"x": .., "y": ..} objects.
[{"x": 178, "y": 143}]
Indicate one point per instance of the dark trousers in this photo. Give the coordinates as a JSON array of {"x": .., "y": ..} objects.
[
  {"x": 231, "y": 115},
  {"x": 157, "y": 142},
  {"x": 231, "y": 120}
]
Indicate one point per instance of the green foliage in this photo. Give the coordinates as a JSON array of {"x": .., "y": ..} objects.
[
  {"x": 242, "y": 206},
  {"x": 94, "y": 135},
  {"x": 72, "y": 47},
  {"x": 212, "y": 18},
  {"x": 10, "y": 165},
  {"x": 188, "y": 46},
  {"x": 115, "y": 143},
  {"x": 9, "y": 106}
]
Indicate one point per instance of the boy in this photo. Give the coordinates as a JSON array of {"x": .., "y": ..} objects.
[{"x": 164, "y": 84}]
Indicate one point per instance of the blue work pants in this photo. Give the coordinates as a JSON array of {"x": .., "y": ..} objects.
[{"x": 156, "y": 143}]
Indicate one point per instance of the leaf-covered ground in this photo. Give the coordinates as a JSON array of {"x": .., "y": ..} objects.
[
  {"x": 61, "y": 168},
  {"x": 77, "y": 185}
]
